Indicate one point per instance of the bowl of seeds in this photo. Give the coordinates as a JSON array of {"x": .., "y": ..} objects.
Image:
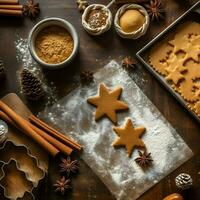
[
  {"x": 97, "y": 19},
  {"x": 53, "y": 43}
]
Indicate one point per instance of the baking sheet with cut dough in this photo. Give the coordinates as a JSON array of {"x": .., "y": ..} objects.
[{"x": 124, "y": 178}]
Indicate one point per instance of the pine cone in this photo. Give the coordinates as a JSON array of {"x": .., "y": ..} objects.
[
  {"x": 2, "y": 69},
  {"x": 184, "y": 181},
  {"x": 31, "y": 86}
]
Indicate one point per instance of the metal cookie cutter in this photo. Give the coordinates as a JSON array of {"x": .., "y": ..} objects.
[{"x": 3, "y": 131}]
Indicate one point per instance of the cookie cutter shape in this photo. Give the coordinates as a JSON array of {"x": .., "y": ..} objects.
[
  {"x": 19, "y": 139},
  {"x": 3, "y": 131},
  {"x": 14, "y": 182},
  {"x": 27, "y": 196},
  {"x": 25, "y": 162}
]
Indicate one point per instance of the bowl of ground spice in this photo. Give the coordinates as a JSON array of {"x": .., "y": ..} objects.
[
  {"x": 131, "y": 21},
  {"x": 53, "y": 43},
  {"x": 97, "y": 19}
]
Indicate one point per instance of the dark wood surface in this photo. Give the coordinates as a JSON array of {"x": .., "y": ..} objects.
[{"x": 94, "y": 53}]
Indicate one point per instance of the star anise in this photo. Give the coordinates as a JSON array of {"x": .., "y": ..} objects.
[
  {"x": 82, "y": 4},
  {"x": 155, "y": 10},
  {"x": 87, "y": 77},
  {"x": 144, "y": 159},
  {"x": 67, "y": 166},
  {"x": 62, "y": 185},
  {"x": 31, "y": 9},
  {"x": 128, "y": 63}
]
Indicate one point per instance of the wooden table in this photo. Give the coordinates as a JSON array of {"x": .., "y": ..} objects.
[{"x": 94, "y": 53}]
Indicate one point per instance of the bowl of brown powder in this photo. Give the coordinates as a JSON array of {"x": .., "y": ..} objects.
[
  {"x": 53, "y": 43},
  {"x": 97, "y": 19}
]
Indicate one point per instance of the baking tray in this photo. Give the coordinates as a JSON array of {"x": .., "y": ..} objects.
[{"x": 192, "y": 14}]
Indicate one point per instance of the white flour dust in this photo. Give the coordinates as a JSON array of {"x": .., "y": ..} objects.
[
  {"x": 24, "y": 57},
  {"x": 124, "y": 178}
]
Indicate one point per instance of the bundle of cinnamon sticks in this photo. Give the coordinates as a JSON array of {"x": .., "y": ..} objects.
[
  {"x": 11, "y": 8},
  {"x": 50, "y": 139}
]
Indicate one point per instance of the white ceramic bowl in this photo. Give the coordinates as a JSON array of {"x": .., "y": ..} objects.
[
  {"x": 49, "y": 22},
  {"x": 138, "y": 33},
  {"x": 96, "y": 31}
]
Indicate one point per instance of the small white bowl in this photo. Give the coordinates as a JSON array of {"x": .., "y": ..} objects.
[
  {"x": 96, "y": 31},
  {"x": 138, "y": 33},
  {"x": 46, "y": 23}
]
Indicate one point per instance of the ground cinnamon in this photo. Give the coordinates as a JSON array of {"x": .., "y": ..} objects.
[{"x": 54, "y": 44}]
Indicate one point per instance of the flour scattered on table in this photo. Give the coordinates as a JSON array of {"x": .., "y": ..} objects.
[
  {"x": 24, "y": 57},
  {"x": 124, "y": 178}
]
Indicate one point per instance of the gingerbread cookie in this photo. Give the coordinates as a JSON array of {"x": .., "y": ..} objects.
[
  {"x": 192, "y": 48},
  {"x": 107, "y": 103},
  {"x": 129, "y": 136},
  {"x": 186, "y": 91},
  {"x": 181, "y": 64},
  {"x": 197, "y": 108},
  {"x": 187, "y": 28},
  {"x": 158, "y": 62},
  {"x": 187, "y": 87},
  {"x": 195, "y": 40},
  {"x": 177, "y": 43},
  {"x": 175, "y": 75},
  {"x": 175, "y": 69}
]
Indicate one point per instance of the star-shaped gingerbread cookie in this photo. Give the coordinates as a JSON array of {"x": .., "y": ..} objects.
[
  {"x": 107, "y": 103},
  {"x": 129, "y": 136}
]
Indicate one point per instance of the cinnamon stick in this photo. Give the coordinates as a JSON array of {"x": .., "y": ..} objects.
[
  {"x": 6, "y": 2},
  {"x": 42, "y": 125},
  {"x": 14, "y": 13},
  {"x": 21, "y": 123},
  {"x": 11, "y": 7},
  {"x": 63, "y": 148}
]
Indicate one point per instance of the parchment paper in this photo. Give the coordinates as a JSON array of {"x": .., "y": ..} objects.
[{"x": 124, "y": 178}]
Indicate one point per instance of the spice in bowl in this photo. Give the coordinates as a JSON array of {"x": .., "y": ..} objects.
[
  {"x": 97, "y": 18},
  {"x": 131, "y": 20},
  {"x": 54, "y": 44}
]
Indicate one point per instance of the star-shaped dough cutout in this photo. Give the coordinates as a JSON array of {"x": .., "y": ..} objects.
[
  {"x": 107, "y": 103},
  {"x": 178, "y": 43},
  {"x": 129, "y": 136},
  {"x": 193, "y": 48},
  {"x": 175, "y": 75},
  {"x": 175, "y": 69}
]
